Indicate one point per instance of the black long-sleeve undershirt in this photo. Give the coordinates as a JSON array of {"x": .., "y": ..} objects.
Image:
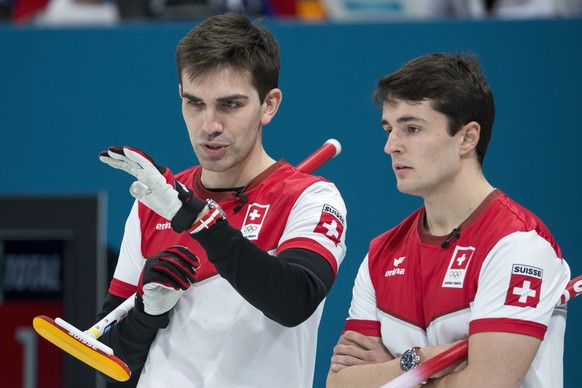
[
  {"x": 287, "y": 288},
  {"x": 131, "y": 338}
]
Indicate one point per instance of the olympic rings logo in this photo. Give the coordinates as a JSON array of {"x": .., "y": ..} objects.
[
  {"x": 249, "y": 228},
  {"x": 455, "y": 274}
]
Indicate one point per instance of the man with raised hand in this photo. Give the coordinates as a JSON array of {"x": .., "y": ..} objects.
[{"x": 256, "y": 243}]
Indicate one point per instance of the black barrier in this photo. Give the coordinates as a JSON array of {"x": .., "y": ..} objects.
[{"x": 52, "y": 262}]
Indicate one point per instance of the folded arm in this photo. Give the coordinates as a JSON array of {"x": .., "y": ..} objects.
[
  {"x": 363, "y": 361},
  {"x": 360, "y": 360},
  {"x": 495, "y": 360}
]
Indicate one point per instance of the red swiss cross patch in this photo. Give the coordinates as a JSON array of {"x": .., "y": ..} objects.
[
  {"x": 256, "y": 213},
  {"x": 461, "y": 258},
  {"x": 330, "y": 224},
  {"x": 525, "y": 286},
  {"x": 254, "y": 219},
  {"x": 455, "y": 275}
]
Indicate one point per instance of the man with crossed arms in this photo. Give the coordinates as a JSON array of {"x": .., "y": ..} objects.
[{"x": 470, "y": 262}]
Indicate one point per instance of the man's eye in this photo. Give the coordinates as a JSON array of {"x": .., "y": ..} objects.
[
  {"x": 194, "y": 102},
  {"x": 231, "y": 104},
  {"x": 413, "y": 129}
]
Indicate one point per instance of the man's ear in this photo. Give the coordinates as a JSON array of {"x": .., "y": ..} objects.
[
  {"x": 180, "y": 89},
  {"x": 271, "y": 105},
  {"x": 470, "y": 134}
]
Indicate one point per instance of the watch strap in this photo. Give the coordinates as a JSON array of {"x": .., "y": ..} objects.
[{"x": 214, "y": 214}]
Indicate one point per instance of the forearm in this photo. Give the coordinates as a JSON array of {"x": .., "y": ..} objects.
[
  {"x": 458, "y": 379},
  {"x": 479, "y": 376},
  {"x": 472, "y": 377},
  {"x": 363, "y": 376},
  {"x": 496, "y": 359},
  {"x": 287, "y": 289}
]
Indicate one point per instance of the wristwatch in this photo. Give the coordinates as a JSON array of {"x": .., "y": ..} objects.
[
  {"x": 214, "y": 214},
  {"x": 410, "y": 359}
]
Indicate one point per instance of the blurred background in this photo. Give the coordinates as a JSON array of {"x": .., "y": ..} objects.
[
  {"x": 79, "y": 76},
  {"x": 113, "y": 11}
]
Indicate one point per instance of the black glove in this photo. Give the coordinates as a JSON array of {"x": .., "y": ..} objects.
[
  {"x": 156, "y": 187},
  {"x": 164, "y": 279}
]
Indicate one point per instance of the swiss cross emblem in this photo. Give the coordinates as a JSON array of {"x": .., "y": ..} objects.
[
  {"x": 525, "y": 286},
  {"x": 331, "y": 224},
  {"x": 254, "y": 219},
  {"x": 461, "y": 258},
  {"x": 256, "y": 213},
  {"x": 455, "y": 275}
]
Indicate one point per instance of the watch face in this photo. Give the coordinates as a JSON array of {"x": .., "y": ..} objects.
[{"x": 409, "y": 360}]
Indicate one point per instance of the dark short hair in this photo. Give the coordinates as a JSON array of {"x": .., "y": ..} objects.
[
  {"x": 453, "y": 83},
  {"x": 231, "y": 41}
]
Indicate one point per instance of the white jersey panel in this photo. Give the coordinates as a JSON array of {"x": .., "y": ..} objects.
[
  {"x": 363, "y": 304},
  {"x": 130, "y": 262},
  {"x": 449, "y": 328},
  {"x": 547, "y": 367},
  {"x": 407, "y": 334},
  {"x": 200, "y": 312}
]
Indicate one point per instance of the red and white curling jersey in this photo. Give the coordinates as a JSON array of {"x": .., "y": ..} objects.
[
  {"x": 504, "y": 273},
  {"x": 215, "y": 337}
]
